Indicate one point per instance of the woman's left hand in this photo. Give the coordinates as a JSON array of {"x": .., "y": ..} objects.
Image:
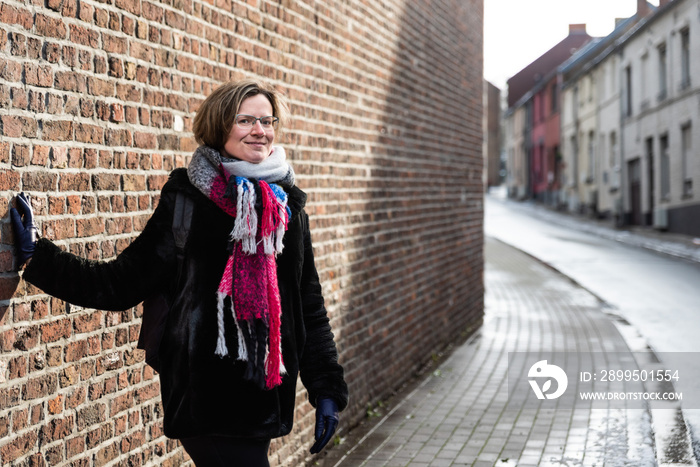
[{"x": 326, "y": 422}]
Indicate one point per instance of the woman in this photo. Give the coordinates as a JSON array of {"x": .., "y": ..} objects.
[{"x": 244, "y": 307}]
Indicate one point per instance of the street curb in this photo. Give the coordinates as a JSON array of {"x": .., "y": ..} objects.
[{"x": 672, "y": 442}]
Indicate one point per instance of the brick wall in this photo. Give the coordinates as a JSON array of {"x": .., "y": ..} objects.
[{"x": 96, "y": 106}]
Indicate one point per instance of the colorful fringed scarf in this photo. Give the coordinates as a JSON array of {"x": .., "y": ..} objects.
[{"x": 248, "y": 289}]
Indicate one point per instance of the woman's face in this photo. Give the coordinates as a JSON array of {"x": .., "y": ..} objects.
[{"x": 254, "y": 144}]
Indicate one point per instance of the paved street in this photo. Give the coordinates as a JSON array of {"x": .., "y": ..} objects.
[
  {"x": 461, "y": 413},
  {"x": 657, "y": 293}
]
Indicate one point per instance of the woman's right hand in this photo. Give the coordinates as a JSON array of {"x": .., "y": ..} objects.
[{"x": 24, "y": 228}]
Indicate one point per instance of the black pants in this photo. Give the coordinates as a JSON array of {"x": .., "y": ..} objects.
[{"x": 222, "y": 451}]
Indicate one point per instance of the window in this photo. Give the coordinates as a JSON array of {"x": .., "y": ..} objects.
[
  {"x": 665, "y": 168},
  {"x": 542, "y": 106},
  {"x": 614, "y": 162},
  {"x": 663, "y": 91},
  {"x": 687, "y": 159},
  {"x": 591, "y": 157},
  {"x": 613, "y": 76},
  {"x": 628, "y": 91},
  {"x": 685, "y": 58},
  {"x": 554, "y": 96},
  {"x": 644, "y": 77},
  {"x": 574, "y": 162}
]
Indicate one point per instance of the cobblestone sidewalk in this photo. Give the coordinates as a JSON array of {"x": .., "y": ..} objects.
[{"x": 461, "y": 414}]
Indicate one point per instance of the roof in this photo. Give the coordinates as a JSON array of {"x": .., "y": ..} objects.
[{"x": 520, "y": 83}]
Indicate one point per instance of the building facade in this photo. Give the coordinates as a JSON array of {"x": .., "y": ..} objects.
[
  {"x": 517, "y": 168},
  {"x": 630, "y": 118},
  {"x": 587, "y": 85},
  {"x": 660, "y": 70},
  {"x": 535, "y": 90}
]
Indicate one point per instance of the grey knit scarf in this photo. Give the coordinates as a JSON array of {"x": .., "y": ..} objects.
[{"x": 207, "y": 163}]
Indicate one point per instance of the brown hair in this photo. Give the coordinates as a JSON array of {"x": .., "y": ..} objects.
[{"x": 214, "y": 119}]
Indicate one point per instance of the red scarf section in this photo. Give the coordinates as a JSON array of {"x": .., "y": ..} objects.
[{"x": 248, "y": 287}]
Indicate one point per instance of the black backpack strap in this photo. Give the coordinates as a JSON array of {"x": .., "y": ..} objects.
[
  {"x": 156, "y": 308},
  {"x": 182, "y": 220}
]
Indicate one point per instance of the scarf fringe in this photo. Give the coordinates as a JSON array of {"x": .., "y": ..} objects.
[{"x": 245, "y": 228}]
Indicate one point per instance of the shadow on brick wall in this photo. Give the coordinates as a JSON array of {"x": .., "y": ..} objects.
[{"x": 417, "y": 285}]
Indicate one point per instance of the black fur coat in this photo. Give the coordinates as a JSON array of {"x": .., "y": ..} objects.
[{"x": 204, "y": 394}]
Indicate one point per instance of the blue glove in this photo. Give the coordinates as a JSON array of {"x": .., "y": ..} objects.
[
  {"x": 326, "y": 422},
  {"x": 25, "y": 230}
]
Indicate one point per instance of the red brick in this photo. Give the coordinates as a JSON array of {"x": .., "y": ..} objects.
[
  {"x": 14, "y": 15},
  {"x": 89, "y": 227},
  {"x": 75, "y": 446},
  {"x": 27, "y": 338},
  {"x": 21, "y": 155},
  {"x": 121, "y": 403},
  {"x": 117, "y": 112},
  {"x": 100, "y": 87},
  {"x": 69, "y": 376},
  {"x": 106, "y": 455},
  {"x": 19, "y": 446},
  {"x": 106, "y": 182},
  {"x": 74, "y": 351},
  {"x": 133, "y": 182},
  {"x": 12, "y": 126},
  {"x": 75, "y": 158},
  {"x": 116, "y": 67},
  {"x": 70, "y": 81},
  {"x": 40, "y": 386},
  {"x": 39, "y": 181},
  {"x": 114, "y": 44},
  {"x": 41, "y": 155},
  {"x": 4, "y": 426},
  {"x": 10, "y": 70},
  {"x": 87, "y": 133},
  {"x": 57, "y": 130},
  {"x": 9, "y": 180},
  {"x": 17, "y": 368},
  {"x": 55, "y": 429},
  {"x": 74, "y": 182},
  {"x": 19, "y": 98},
  {"x": 50, "y": 26},
  {"x": 90, "y": 415},
  {"x": 55, "y": 330},
  {"x": 118, "y": 137},
  {"x": 39, "y": 75},
  {"x": 84, "y": 36},
  {"x": 36, "y": 414},
  {"x": 4, "y": 151},
  {"x": 132, "y": 6}
]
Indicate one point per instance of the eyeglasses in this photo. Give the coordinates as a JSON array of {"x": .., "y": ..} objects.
[{"x": 248, "y": 121}]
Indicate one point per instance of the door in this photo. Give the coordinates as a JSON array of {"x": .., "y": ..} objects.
[{"x": 634, "y": 171}]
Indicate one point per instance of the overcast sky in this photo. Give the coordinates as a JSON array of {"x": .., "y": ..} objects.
[{"x": 516, "y": 32}]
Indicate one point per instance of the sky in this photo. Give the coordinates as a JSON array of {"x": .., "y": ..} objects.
[{"x": 517, "y": 32}]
